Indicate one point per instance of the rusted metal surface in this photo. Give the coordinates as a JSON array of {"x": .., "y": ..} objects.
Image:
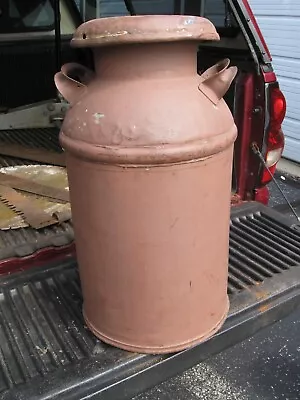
[
  {"x": 63, "y": 215},
  {"x": 30, "y": 186},
  {"x": 26, "y": 207},
  {"x": 35, "y": 177},
  {"x": 235, "y": 199}
]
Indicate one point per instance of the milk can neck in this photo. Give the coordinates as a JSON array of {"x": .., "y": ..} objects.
[{"x": 167, "y": 60}]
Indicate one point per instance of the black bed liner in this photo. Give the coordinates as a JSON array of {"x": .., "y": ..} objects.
[{"x": 46, "y": 352}]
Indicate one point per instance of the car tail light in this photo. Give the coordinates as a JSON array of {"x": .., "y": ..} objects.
[{"x": 275, "y": 137}]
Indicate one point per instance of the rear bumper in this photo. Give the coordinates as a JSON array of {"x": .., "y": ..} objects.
[{"x": 47, "y": 352}]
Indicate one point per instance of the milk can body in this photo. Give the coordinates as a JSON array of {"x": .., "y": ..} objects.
[{"x": 149, "y": 147}]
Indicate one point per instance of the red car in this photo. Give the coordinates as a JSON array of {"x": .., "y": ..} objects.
[{"x": 46, "y": 351}]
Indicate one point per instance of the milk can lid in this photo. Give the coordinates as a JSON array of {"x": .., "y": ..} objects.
[{"x": 143, "y": 29}]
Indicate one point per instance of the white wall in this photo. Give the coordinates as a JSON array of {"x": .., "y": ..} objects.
[{"x": 279, "y": 21}]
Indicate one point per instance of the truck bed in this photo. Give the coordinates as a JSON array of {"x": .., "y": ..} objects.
[{"x": 46, "y": 351}]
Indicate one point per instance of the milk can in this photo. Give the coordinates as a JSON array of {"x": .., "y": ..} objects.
[{"x": 149, "y": 148}]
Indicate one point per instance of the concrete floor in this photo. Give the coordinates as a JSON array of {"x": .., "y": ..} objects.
[
  {"x": 289, "y": 167},
  {"x": 264, "y": 367}
]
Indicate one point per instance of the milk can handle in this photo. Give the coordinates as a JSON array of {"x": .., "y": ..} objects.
[
  {"x": 72, "y": 81},
  {"x": 216, "y": 80}
]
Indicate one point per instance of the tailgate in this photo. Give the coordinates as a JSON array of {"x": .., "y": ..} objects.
[{"x": 46, "y": 352}]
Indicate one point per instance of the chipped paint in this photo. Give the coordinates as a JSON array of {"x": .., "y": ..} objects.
[
  {"x": 98, "y": 117},
  {"x": 190, "y": 21},
  {"x": 111, "y": 34}
]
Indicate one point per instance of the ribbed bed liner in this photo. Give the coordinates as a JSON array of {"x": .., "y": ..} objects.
[
  {"x": 37, "y": 138},
  {"x": 46, "y": 351}
]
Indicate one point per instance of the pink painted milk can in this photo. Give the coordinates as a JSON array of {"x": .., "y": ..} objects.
[{"x": 149, "y": 149}]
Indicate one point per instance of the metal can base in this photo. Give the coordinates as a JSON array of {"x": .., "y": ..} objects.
[{"x": 153, "y": 349}]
